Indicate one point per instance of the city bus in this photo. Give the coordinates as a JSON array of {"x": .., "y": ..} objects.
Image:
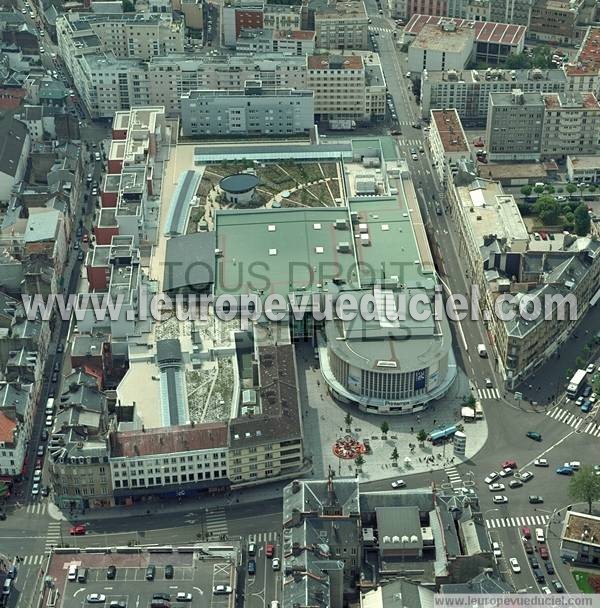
[
  {"x": 576, "y": 383},
  {"x": 442, "y": 434},
  {"x": 478, "y": 411}
]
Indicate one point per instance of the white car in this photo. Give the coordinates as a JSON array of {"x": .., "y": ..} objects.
[
  {"x": 508, "y": 472},
  {"x": 491, "y": 477},
  {"x": 49, "y": 420},
  {"x": 546, "y": 590},
  {"x": 526, "y": 476},
  {"x": 42, "y": 51},
  {"x": 221, "y": 589},
  {"x": 496, "y": 487},
  {"x": 37, "y": 475},
  {"x": 35, "y": 489},
  {"x": 592, "y": 398},
  {"x": 500, "y": 500},
  {"x": 496, "y": 549},
  {"x": 276, "y": 564},
  {"x": 399, "y": 483},
  {"x": 579, "y": 401},
  {"x": 182, "y": 596},
  {"x": 590, "y": 368},
  {"x": 96, "y": 598},
  {"x": 540, "y": 462},
  {"x": 514, "y": 564}
]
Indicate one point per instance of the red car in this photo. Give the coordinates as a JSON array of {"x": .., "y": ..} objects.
[
  {"x": 509, "y": 464},
  {"x": 270, "y": 550},
  {"x": 478, "y": 143},
  {"x": 78, "y": 530},
  {"x": 85, "y": 238},
  {"x": 526, "y": 532},
  {"x": 543, "y": 552}
]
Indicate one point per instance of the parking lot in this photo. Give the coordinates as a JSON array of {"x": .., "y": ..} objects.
[{"x": 193, "y": 573}]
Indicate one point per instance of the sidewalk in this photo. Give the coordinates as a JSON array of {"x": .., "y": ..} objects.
[{"x": 174, "y": 505}]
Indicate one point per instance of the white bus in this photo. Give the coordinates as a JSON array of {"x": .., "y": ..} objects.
[
  {"x": 576, "y": 383},
  {"x": 478, "y": 411},
  {"x": 50, "y": 407}
]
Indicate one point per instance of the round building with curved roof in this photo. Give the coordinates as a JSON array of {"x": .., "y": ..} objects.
[{"x": 239, "y": 188}]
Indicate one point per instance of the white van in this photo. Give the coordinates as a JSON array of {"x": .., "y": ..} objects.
[
  {"x": 72, "y": 573},
  {"x": 274, "y": 604},
  {"x": 481, "y": 350},
  {"x": 539, "y": 535},
  {"x": 575, "y": 465}
]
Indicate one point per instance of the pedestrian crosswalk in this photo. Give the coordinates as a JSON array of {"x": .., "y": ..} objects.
[
  {"x": 53, "y": 536},
  {"x": 263, "y": 537},
  {"x": 453, "y": 476},
  {"x": 33, "y": 560},
  {"x": 376, "y": 28},
  {"x": 417, "y": 143},
  {"x": 488, "y": 393},
  {"x": 216, "y": 522},
  {"x": 36, "y": 508},
  {"x": 515, "y": 522},
  {"x": 566, "y": 417}
]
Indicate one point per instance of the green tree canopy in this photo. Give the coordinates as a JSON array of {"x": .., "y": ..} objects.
[
  {"x": 422, "y": 436},
  {"x": 585, "y": 486},
  {"x": 526, "y": 190},
  {"x": 385, "y": 427},
  {"x": 582, "y": 220},
  {"x": 547, "y": 209},
  {"x": 571, "y": 188}
]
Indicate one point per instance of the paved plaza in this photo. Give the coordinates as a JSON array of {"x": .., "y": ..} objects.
[{"x": 324, "y": 423}]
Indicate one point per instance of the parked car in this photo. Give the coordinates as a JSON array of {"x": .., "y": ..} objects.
[
  {"x": 590, "y": 368},
  {"x": 526, "y": 532},
  {"x": 150, "y": 572},
  {"x": 270, "y": 550},
  {"x": 526, "y": 476},
  {"x": 535, "y": 500},
  {"x": 540, "y": 462},
  {"x": 182, "y": 596},
  {"x": 221, "y": 589},
  {"x": 514, "y": 564},
  {"x": 564, "y": 470},
  {"x": 543, "y": 550},
  {"x": 496, "y": 549},
  {"x": 496, "y": 487},
  {"x": 96, "y": 598},
  {"x": 500, "y": 500},
  {"x": 252, "y": 567},
  {"x": 556, "y": 584},
  {"x": 78, "y": 530},
  {"x": 491, "y": 477},
  {"x": 509, "y": 464},
  {"x": 169, "y": 571},
  {"x": 111, "y": 572},
  {"x": 549, "y": 567},
  {"x": 515, "y": 483},
  {"x": 528, "y": 547},
  {"x": 399, "y": 483},
  {"x": 507, "y": 472},
  {"x": 534, "y": 435}
]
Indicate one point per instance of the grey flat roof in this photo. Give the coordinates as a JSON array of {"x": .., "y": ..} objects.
[
  {"x": 239, "y": 183},
  {"x": 190, "y": 261},
  {"x": 186, "y": 189}
]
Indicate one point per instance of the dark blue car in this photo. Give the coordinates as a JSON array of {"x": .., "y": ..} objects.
[
  {"x": 252, "y": 567},
  {"x": 564, "y": 471}
]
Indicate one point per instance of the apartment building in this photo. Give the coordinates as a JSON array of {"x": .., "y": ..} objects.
[
  {"x": 347, "y": 86},
  {"x": 180, "y": 459},
  {"x": 239, "y": 15},
  {"x": 448, "y": 143},
  {"x": 78, "y": 467},
  {"x": 108, "y": 84},
  {"x": 511, "y": 11},
  {"x": 340, "y": 25},
  {"x": 253, "y": 110},
  {"x": 514, "y": 126},
  {"x": 287, "y": 42},
  {"x": 583, "y": 73},
  {"x": 130, "y": 191},
  {"x": 530, "y": 126},
  {"x": 555, "y": 20},
  {"x": 571, "y": 124},
  {"x": 17, "y": 410},
  {"x": 468, "y": 91},
  {"x": 134, "y": 35}
]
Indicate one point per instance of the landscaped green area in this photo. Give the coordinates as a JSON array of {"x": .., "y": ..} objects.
[
  {"x": 587, "y": 582},
  {"x": 552, "y": 208}
]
